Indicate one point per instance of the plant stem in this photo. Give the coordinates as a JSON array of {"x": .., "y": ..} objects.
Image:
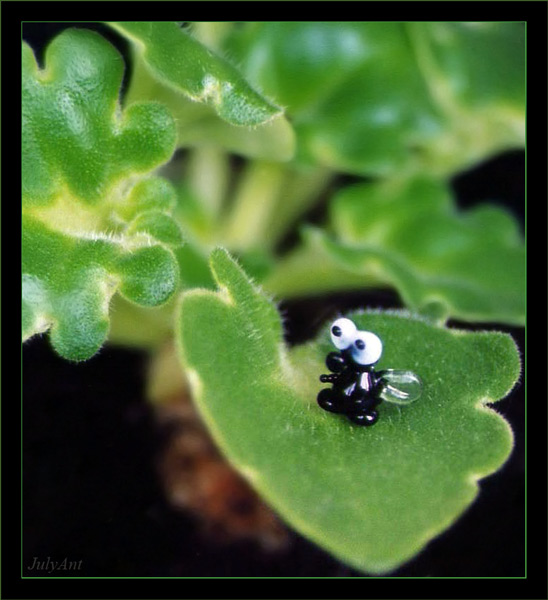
[
  {"x": 253, "y": 210},
  {"x": 165, "y": 377},
  {"x": 303, "y": 188},
  {"x": 208, "y": 174},
  {"x": 269, "y": 200}
]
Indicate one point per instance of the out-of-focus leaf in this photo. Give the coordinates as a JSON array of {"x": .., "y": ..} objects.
[
  {"x": 468, "y": 265},
  {"x": 476, "y": 73},
  {"x": 480, "y": 64},
  {"x": 372, "y": 496},
  {"x": 274, "y": 140},
  {"x": 375, "y": 98},
  {"x": 353, "y": 89}
]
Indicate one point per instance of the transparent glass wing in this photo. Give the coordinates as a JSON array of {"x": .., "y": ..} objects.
[{"x": 400, "y": 387}]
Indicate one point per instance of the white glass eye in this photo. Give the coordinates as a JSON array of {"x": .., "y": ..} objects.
[
  {"x": 343, "y": 332},
  {"x": 366, "y": 348}
]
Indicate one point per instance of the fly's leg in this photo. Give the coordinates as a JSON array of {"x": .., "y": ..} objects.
[
  {"x": 362, "y": 408},
  {"x": 331, "y": 401},
  {"x": 364, "y": 418}
]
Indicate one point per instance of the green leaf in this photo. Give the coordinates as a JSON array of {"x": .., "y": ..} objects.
[
  {"x": 353, "y": 89},
  {"x": 199, "y": 123},
  {"x": 371, "y": 496},
  {"x": 469, "y": 265},
  {"x": 374, "y": 98},
  {"x": 274, "y": 140},
  {"x": 76, "y": 141},
  {"x": 179, "y": 61},
  {"x": 476, "y": 74},
  {"x": 68, "y": 281},
  {"x": 407, "y": 234},
  {"x": 94, "y": 220},
  {"x": 479, "y": 64}
]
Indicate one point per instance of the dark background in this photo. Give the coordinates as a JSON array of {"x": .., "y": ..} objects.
[{"x": 90, "y": 490}]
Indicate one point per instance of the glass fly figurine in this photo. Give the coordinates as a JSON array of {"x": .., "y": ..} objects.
[{"x": 357, "y": 389}]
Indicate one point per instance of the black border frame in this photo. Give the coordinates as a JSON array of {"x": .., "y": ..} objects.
[{"x": 535, "y": 584}]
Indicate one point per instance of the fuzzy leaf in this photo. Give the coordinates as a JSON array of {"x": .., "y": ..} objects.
[
  {"x": 68, "y": 281},
  {"x": 94, "y": 221},
  {"x": 372, "y": 496},
  {"x": 179, "y": 61},
  {"x": 75, "y": 139}
]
